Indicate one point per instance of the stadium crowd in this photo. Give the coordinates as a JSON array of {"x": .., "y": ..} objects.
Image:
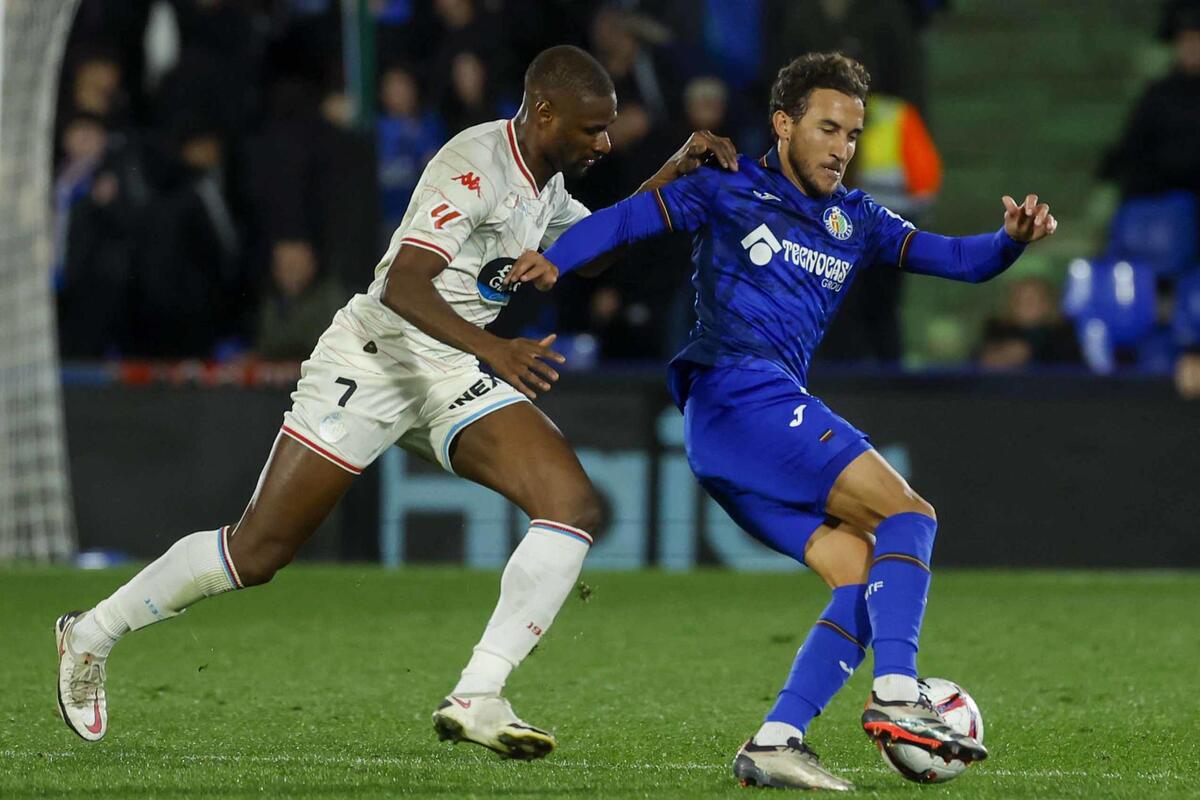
[{"x": 219, "y": 192}]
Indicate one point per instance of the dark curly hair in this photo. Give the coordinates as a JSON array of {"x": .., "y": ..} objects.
[{"x": 796, "y": 81}]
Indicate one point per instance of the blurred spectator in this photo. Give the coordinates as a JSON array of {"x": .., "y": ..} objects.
[
  {"x": 879, "y": 33},
  {"x": 96, "y": 86},
  {"x": 1030, "y": 331},
  {"x": 1186, "y": 333},
  {"x": 191, "y": 286},
  {"x": 407, "y": 137},
  {"x": 83, "y": 143},
  {"x": 470, "y": 98},
  {"x": 898, "y": 164},
  {"x": 298, "y": 304},
  {"x": 1157, "y": 151},
  {"x": 95, "y": 274},
  {"x": 315, "y": 181},
  {"x": 468, "y": 28},
  {"x": 618, "y": 40},
  {"x": 1187, "y": 376}
]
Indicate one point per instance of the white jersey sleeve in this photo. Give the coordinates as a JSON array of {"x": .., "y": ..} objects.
[
  {"x": 567, "y": 214},
  {"x": 451, "y": 201}
]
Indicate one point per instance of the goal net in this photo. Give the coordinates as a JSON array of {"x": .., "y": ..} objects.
[{"x": 36, "y": 520}]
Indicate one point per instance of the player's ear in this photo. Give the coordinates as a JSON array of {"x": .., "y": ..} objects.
[
  {"x": 544, "y": 111},
  {"x": 781, "y": 122}
]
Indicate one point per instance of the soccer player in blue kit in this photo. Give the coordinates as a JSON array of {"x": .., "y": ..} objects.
[{"x": 776, "y": 242}]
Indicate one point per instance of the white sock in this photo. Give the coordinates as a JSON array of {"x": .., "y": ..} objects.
[
  {"x": 195, "y": 567},
  {"x": 776, "y": 734},
  {"x": 539, "y": 576},
  {"x": 896, "y": 687}
]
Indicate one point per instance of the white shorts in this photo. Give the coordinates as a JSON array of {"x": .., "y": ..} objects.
[{"x": 354, "y": 401}]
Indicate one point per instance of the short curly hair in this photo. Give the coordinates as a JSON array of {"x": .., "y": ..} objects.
[{"x": 796, "y": 81}]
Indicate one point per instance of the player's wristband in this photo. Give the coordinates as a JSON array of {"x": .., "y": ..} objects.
[
  {"x": 631, "y": 220},
  {"x": 973, "y": 259}
]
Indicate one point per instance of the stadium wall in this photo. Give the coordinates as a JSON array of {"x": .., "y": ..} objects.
[{"x": 1024, "y": 471}]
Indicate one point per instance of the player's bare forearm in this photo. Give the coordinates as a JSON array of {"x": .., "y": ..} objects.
[
  {"x": 410, "y": 293},
  {"x": 522, "y": 363}
]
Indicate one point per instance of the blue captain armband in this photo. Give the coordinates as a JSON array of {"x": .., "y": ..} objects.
[
  {"x": 633, "y": 219},
  {"x": 973, "y": 259}
]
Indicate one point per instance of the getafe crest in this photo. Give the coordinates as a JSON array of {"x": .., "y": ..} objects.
[{"x": 837, "y": 223}]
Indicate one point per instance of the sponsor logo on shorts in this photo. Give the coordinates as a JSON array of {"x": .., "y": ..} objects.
[
  {"x": 799, "y": 419},
  {"x": 491, "y": 281},
  {"x": 477, "y": 389}
]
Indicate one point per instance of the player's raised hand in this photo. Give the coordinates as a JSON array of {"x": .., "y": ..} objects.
[
  {"x": 703, "y": 147},
  {"x": 532, "y": 267},
  {"x": 522, "y": 363},
  {"x": 1028, "y": 221}
]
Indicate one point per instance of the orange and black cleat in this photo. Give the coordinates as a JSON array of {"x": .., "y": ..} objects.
[{"x": 919, "y": 725}]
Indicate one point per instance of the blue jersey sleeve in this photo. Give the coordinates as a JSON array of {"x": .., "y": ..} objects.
[
  {"x": 682, "y": 205},
  {"x": 889, "y": 233},
  {"x": 686, "y": 203}
]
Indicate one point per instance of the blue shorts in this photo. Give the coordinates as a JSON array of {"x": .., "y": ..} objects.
[{"x": 765, "y": 449}]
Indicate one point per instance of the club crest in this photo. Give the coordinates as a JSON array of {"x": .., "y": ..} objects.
[{"x": 837, "y": 223}]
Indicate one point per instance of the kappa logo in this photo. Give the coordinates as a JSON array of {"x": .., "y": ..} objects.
[
  {"x": 443, "y": 214},
  {"x": 799, "y": 412},
  {"x": 765, "y": 196},
  {"x": 761, "y": 244},
  {"x": 837, "y": 223},
  {"x": 846, "y": 668},
  {"x": 469, "y": 180}
]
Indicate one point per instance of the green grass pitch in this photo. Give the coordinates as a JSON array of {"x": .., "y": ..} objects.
[{"x": 321, "y": 685}]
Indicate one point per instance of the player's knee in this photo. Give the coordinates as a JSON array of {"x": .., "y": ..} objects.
[
  {"x": 913, "y": 503},
  {"x": 581, "y": 507},
  {"x": 260, "y": 558}
]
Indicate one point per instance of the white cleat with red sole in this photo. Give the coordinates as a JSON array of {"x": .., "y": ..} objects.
[{"x": 81, "y": 699}]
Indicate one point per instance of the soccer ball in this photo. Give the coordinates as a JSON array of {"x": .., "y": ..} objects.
[{"x": 960, "y": 712}]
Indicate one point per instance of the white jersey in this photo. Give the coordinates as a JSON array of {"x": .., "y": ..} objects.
[{"x": 478, "y": 207}]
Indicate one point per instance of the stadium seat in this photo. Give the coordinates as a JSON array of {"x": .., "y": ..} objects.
[
  {"x": 1112, "y": 303},
  {"x": 1185, "y": 321},
  {"x": 1159, "y": 231}
]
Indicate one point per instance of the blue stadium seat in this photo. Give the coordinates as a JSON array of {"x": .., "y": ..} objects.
[
  {"x": 1185, "y": 321},
  {"x": 1158, "y": 230},
  {"x": 1112, "y": 303}
]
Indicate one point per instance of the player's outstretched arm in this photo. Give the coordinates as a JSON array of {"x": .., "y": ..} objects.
[
  {"x": 595, "y": 238},
  {"x": 975, "y": 259},
  {"x": 409, "y": 291}
]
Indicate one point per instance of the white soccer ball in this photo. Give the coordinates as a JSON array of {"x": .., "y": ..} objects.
[{"x": 960, "y": 712}]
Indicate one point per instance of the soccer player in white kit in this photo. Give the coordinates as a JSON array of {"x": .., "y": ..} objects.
[{"x": 400, "y": 365}]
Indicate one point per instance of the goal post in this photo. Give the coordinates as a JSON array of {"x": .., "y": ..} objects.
[{"x": 36, "y": 517}]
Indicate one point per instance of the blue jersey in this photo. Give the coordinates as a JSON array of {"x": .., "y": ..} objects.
[{"x": 772, "y": 264}]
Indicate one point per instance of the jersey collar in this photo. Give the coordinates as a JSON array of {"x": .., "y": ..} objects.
[{"x": 516, "y": 154}]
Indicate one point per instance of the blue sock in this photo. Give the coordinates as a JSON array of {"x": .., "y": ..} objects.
[
  {"x": 897, "y": 587},
  {"x": 834, "y": 648}
]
